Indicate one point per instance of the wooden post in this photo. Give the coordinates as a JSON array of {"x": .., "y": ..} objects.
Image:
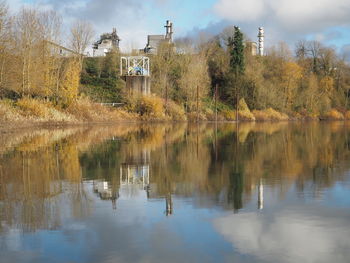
[
  {"x": 237, "y": 101},
  {"x": 216, "y": 103},
  {"x": 197, "y": 103},
  {"x": 166, "y": 97}
]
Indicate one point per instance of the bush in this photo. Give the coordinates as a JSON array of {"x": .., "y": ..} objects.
[
  {"x": 245, "y": 116},
  {"x": 229, "y": 115},
  {"x": 244, "y": 113},
  {"x": 150, "y": 107},
  {"x": 176, "y": 112},
  {"x": 270, "y": 115},
  {"x": 333, "y": 114},
  {"x": 347, "y": 115}
]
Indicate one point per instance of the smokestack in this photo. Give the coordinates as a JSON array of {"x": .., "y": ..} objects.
[
  {"x": 167, "y": 28},
  {"x": 171, "y": 32},
  {"x": 261, "y": 37}
]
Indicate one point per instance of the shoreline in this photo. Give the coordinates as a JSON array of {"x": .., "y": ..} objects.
[{"x": 16, "y": 126}]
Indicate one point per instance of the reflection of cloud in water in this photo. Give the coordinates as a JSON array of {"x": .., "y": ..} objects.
[{"x": 294, "y": 235}]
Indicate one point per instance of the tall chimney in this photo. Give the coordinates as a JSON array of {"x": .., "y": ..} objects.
[
  {"x": 171, "y": 32},
  {"x": 167, "y": 28},
  {"x": 261, "y": 37}
]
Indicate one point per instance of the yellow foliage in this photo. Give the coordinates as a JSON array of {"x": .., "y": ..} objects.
[
  {"x": 70, "y": 84},
  {"x": 292, "y": 73},
  {"x": 242, "y": 105},
  {"x": 244, "y": 113},
  {"x": 327, "y": 84}
]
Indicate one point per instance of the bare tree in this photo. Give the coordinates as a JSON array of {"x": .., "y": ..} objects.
[
  {"x": 4, "y": 38},
  {"x": 301, "y": 49},
  {"x": 50, "y": 30},
  {"x": 314, "y": 48},
  {"x": 26, "y": 38},
  {"x": 82, "y": 33}
]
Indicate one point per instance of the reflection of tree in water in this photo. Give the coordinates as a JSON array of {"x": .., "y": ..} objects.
[{"x": 44, "y": 173}]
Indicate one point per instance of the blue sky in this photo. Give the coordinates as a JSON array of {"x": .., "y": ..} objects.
[{"x": 325, "y": 20}]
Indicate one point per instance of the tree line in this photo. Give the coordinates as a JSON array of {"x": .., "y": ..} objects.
[
  {"x": 187, "y": 78},
  {"x": 310, "y": 80}
]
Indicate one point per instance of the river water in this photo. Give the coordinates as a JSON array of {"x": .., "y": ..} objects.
[{"x": 272, "y": 192}]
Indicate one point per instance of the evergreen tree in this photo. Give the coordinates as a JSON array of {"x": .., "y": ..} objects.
[{"x": 236, "y": 48}]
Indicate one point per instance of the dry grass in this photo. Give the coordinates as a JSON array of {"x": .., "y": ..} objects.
[
  {"x": 270, "y": 115},
  {"x": 81, "y": 110},
  {"x": 8, "y": 112},
  {"x": 38, "y": 110}
]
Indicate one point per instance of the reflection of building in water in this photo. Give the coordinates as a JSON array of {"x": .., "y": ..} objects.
[
  {"x": 135, "y": 171},
  {"x": 261, "y": 195},
  {"x": 106, "y": 192},
  {"x": 134, "y": 174}
]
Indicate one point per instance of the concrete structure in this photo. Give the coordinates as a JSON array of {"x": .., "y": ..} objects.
[
  {"x": 58, "y": 49},
  {"x": 261, "y": 37},
  {"x": 135, "y": 70},
  {"x": 251, "y": 48},
  {"x": 154, "y": 41},
  {"x": 106, "y": 43}
]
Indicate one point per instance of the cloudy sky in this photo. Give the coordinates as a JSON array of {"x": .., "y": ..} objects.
[{"x": 284, "y": 20}]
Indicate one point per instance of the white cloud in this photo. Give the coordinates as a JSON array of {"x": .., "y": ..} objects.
[
  {"x": 132, "y": 18},
  {"x": 296, "y": 15},
  {"x": 296, "y": 235}
]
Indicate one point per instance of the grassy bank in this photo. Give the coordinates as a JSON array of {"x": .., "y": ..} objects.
[{"x": 151, "y": 108}]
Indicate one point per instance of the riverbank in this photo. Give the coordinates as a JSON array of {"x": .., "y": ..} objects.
[{"x": 28, "y": 112}]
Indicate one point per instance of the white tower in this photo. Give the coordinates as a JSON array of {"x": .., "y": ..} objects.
[
  {"x": 261, "y": 37},
  {"x": 261, "y": 195}
]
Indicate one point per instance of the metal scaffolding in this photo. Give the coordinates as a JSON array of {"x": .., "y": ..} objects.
[{"x": 135, "y": 66}]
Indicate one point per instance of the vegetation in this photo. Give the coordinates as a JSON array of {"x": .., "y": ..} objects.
[{"x": 217, "y": 79}]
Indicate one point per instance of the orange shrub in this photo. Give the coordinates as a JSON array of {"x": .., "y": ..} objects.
[
  {"x": 347, "y": 115},
  {"x": 333, "y": 114}
]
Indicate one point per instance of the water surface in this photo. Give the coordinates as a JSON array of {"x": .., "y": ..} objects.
[{"x": 274, "y": 192}]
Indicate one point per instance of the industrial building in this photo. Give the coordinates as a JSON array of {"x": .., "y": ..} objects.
[
  {"x": 106, "y": 44},
  {"x": 154, "y": 41}
]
